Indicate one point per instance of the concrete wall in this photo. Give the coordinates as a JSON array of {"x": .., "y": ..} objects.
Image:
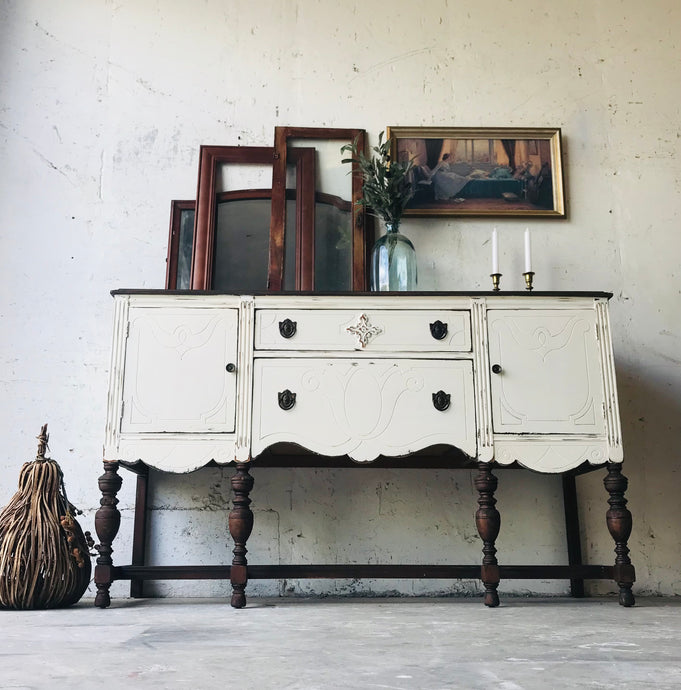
[{"x": 103, "y": 108}]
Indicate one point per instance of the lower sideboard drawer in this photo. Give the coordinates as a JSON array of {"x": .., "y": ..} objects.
[{"x": 363, "y": 408}]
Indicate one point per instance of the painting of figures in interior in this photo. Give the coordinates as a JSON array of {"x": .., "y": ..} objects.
[{"x": 483, "y": 171}]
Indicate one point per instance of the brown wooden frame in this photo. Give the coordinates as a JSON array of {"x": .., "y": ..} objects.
[
  {"x": 206, "y": 198},
  {"x": 204, "y": 222},
  {"x": 359, "y": 242},
  {"x": 176, "y": 208}
]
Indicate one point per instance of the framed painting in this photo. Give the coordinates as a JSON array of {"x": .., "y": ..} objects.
[{"x": 482, "y": 171}]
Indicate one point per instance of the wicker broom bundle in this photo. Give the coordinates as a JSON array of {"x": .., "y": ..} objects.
[{"x": 44, "y": 555}]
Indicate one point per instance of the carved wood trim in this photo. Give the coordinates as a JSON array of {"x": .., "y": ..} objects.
[
  {"x": 482, "y": 380},
  {"x": 116, "y": 372},
  {"x": 244, "y": 394},
  {"x": 612, "y": 415}
]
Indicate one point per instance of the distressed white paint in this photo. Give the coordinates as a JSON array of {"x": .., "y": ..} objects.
[
  {"x": 172, "y": 389},
  {"x": 104, "y": 107}
]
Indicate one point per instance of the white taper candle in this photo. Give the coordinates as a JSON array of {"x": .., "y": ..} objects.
[
  {"x": 528, "y": 251},
  {"x": 495, "y": 251}
]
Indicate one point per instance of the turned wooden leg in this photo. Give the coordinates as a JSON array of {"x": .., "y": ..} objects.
[
  {"x": 107, "y": 522},
  {"x": 618, "y": 519},
  {"x": 488, "y": 522},
  {"x": 240, "y": 527}
]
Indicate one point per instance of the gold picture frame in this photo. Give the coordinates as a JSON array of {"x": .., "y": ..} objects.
[{"x": 482, "y": 171}]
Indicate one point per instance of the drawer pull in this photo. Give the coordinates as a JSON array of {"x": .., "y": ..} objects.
[
  {"x": 286, "y": 399},
  {"x": 441, "y": 400},
  {"x": 496, "y": 368},
  {"x": 438, "y": 330},
  {"x": 231, "y": 368},
  {"x": 287, "y": 328}
]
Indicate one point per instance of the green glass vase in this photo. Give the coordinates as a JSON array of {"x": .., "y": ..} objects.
[{"x": 393, "y": 262}]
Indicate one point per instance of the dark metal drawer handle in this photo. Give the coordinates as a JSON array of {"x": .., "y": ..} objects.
[
  {"x": 287, "y": 328},
  {"x": 496, "y": 368},
  {"x": 438, "y": 330},
  {"x": 286, "y": 399},
  {"x": 441, "y": 400},
  {"x": 231, "y": 368}
]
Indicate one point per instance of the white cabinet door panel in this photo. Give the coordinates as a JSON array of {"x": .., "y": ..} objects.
[
  {"x": 363, "y": 408},
  {"x": 550, "y": 379},
  {"x": 175, "y": 377}
]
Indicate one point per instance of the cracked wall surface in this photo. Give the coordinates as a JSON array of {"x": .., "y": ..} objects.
[{"x": 103, "y": 107}]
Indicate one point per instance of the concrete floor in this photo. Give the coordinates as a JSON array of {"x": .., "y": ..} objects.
[{"x": 347, "y": 643}]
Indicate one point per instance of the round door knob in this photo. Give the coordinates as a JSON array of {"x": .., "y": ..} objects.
[
  {"x": 230, "y": 368},
  {"x": 496, "y": 368}
]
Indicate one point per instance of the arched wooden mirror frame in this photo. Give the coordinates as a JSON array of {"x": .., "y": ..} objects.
[
  {"x": 282, "y": 156},
  {"x": 210, "y": 158}
]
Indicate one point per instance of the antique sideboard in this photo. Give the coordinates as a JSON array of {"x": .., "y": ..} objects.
[{"x": 415, "y": 379}]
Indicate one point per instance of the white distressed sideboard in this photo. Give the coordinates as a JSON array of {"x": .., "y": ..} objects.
[{"x": 479, "y": 379}]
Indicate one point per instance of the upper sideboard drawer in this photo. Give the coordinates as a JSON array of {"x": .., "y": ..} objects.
[{"x": 372, "y": 330}]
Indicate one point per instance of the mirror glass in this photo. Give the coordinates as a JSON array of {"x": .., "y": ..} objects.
[
  {"x": 333, "y": 244},
  {"x": 333, "y": 215},
  {"x": 241, "y": 244},
  {"x": 184, "y": 251}
]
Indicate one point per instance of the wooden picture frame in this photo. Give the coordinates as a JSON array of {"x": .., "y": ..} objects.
[
  {"x": 482, "y": 171},
  {"x": 180, "y": 242},
  {"x": 210, "y": 158},
  {"x": 359, "y": 249}
]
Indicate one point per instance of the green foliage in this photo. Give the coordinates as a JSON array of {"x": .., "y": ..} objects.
[{"x": 387, "y": 188}]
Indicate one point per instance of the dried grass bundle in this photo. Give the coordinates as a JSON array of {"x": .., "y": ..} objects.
[{"x": 44, "y": 555}]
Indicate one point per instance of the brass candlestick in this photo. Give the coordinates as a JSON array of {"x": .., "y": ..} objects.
[
  {"x": 528, "y": 279},
  {"x": 495, "y": 281}
]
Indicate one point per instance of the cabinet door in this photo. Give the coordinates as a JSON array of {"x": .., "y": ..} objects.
[
  {"x": 363, "y": 408},
  {"x": 175, "y": 376},
  {"x": 550, "y": 377}
]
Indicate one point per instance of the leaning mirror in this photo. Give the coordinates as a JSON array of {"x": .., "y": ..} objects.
[
  {"x": 334, "y": 238},
  {"x": 232, "y": 224},
  {"x": 180, "y": 240}
]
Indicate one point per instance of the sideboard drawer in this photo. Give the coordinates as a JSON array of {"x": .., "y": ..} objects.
[
  {"x": 363, "y": 408},
  {"x": 373, "y": 330}
]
